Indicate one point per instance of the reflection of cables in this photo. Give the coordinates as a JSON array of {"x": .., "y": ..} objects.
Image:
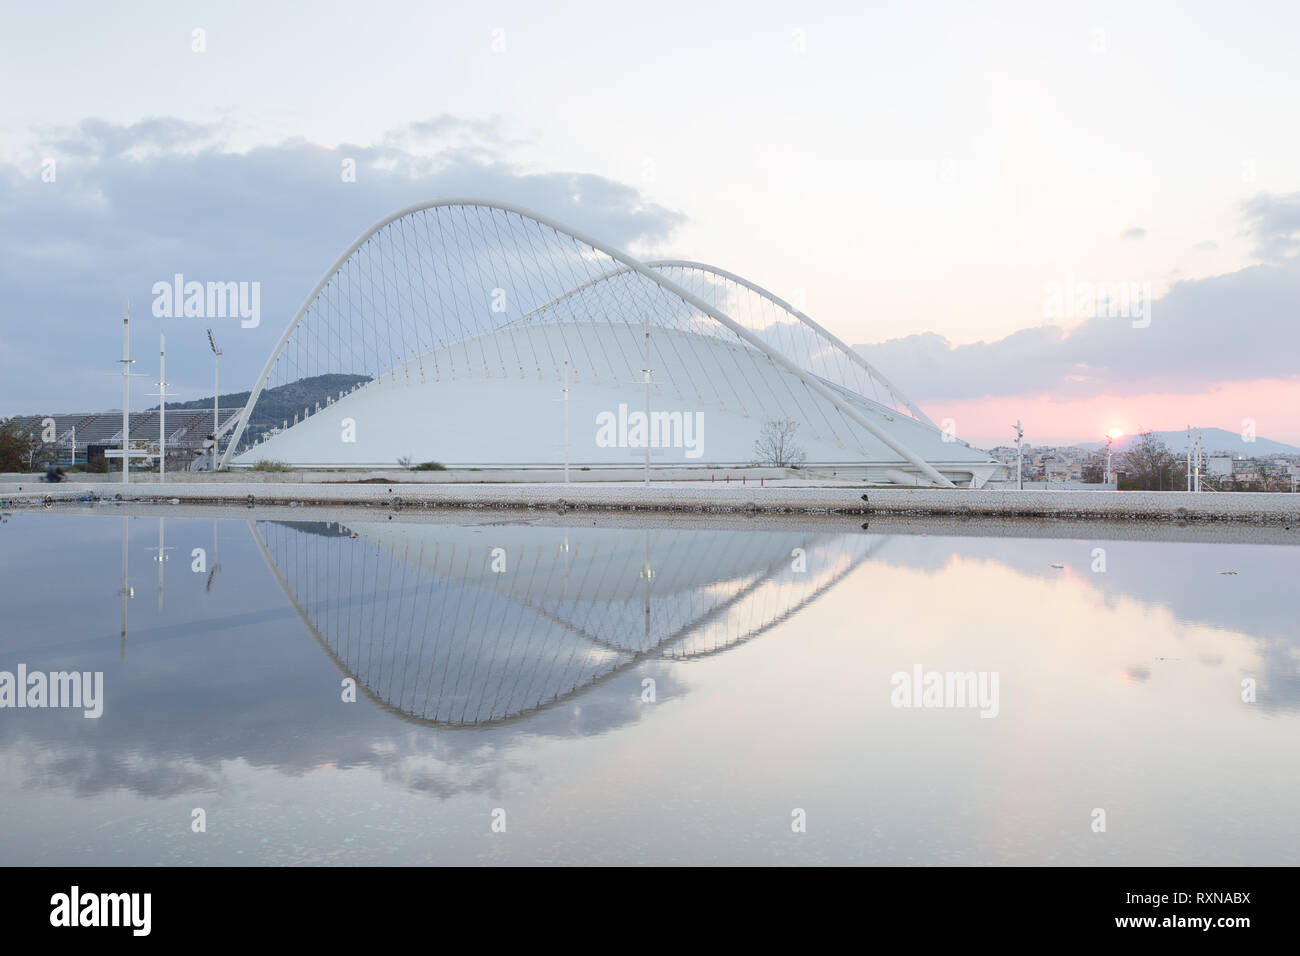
[{"x": 502, "y": 647}]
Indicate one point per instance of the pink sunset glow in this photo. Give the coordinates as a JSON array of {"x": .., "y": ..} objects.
[{"x": 1274, "y": 404}]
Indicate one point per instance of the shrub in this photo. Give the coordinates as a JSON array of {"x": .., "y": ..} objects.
[{"x": 16, "y": 446}]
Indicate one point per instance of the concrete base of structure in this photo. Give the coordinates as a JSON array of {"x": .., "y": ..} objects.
[{"x": 753, "y": 496}]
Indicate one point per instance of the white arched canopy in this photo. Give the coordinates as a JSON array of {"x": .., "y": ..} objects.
[{"x": 447, "y": 291}]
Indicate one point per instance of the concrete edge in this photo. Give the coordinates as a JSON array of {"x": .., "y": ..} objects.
[{"x": 1271, "y": 508}]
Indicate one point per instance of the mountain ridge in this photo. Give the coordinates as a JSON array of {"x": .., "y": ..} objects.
[{"x": 1212, "y": 440}]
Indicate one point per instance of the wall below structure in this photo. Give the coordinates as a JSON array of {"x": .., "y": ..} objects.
[{"x": 777, "y": 498}]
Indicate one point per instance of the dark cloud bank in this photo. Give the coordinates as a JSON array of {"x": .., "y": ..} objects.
[
  {"x": 1239, "y": 326},
  {"x": 133, "y": 205}
]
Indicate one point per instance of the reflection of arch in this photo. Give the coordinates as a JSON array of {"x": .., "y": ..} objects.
[
  {"x": 430, "y": 632},
  {"x": 407, "y": 303}
]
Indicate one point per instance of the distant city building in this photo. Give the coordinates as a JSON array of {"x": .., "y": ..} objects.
[{"x": 1219, "y": 465}]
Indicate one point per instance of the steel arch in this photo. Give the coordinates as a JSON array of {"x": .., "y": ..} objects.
[{"x": 812, "y": 382}]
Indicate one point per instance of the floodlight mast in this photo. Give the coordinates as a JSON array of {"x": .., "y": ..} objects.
[
  {"x": 126, "y": 390},
  {"x": 216, "y": 417},
  {"x": 162, "y": 407}
]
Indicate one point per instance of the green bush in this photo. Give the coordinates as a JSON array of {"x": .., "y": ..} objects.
[{"x": 431, "y": 466}]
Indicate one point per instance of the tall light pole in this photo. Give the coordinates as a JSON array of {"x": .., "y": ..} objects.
[
  {"x": 1196, "y": 454},
  {"x": 566, "y": 420},
  {"x": 162, "y": 407},
  {"x": 648, "y": 370},
  {"x": 126, "y": 362},
  {"x": 216, "y": 420},
  {"x": 1020, "y": 433},
  {"x": 126, "y": 390},
  {"x": 1109, "y": 438}
]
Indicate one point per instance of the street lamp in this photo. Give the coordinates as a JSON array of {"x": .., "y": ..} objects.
[{"x": 1110, "y": 437}]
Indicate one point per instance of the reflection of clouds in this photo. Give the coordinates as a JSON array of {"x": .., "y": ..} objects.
[
  {"x": 1279, "y": 675},
  {"x": 85, "y": 771},
  {"x": 205, "y": 685},
  {"x": 1179, "y": 578},
  {"x": 186, "y": 756},
  {"x": 219, "y": 689},
  {"x": 423, "y": 764}
]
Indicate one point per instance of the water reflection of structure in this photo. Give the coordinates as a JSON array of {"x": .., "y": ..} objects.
[
  {"x": 469, "y": 625},
  {"x": 127, "y": 591}
]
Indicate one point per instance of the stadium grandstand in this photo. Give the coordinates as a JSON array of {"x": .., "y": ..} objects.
[{"x": 83, "y": 436}]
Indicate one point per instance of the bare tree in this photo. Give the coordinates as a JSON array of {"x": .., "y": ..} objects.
[
  {"x": 18, "y": 446},
  {"x": 776, "y": 444},
  {"x": 1149, "y": 465}
]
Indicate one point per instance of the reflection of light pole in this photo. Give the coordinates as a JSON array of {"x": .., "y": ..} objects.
[
  {"x": 647, "y": 573},
  {"x": 160, "y": 558},
  {"x": 127, "y": 591},
  {"x": 216, "y": 362},
  {"x": 216, "y": 555}
]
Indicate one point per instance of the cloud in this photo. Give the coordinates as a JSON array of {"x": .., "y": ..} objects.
[
  {"x": 130, "y": 205},
  {"x": 1234, "y": 327},
  {"x": 1274, "y": 223},
  {"x": 99, "y": 139},
  {"x": 1229, "y": 328},
  {"x": 1208, "y": 246},
  {"x": 1137, "y": 232}
]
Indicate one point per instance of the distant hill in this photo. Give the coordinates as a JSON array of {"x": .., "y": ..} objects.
[
  {"x": 1212, "y": 440},
  {"x": 276, "y": 405}
]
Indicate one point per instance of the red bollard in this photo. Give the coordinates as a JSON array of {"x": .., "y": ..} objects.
[
  {"x": 760, "y": 482},
  {"x": 744, "y": 479}
]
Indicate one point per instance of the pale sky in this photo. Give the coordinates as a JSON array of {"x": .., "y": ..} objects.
[{"x": 897, "y": 169}]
